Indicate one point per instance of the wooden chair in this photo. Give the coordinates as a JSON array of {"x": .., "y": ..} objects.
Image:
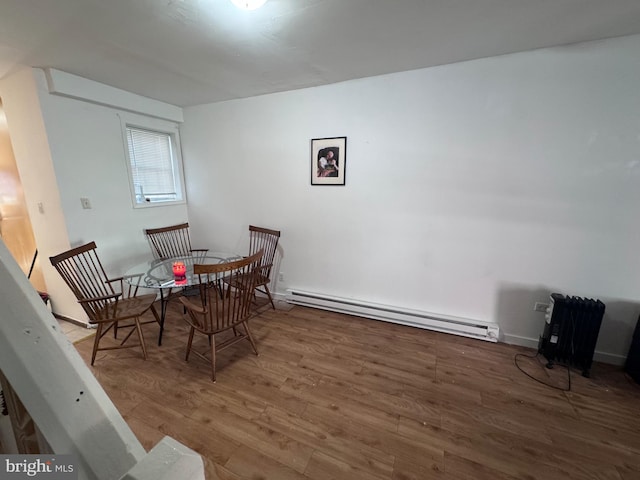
[
  {"x": 267, "y": 240},
  {"x": 105, "y": 306},
  {"x": 167, "y": 242},
  {"x": 172, "y": 241},
  {"x": 224, "y": 306}
]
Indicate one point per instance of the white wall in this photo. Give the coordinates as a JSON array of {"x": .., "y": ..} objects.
[
  {"x": 472, "y": 189},
  {"x": 88, "y": 152},
  {"x": 86, "y": 158}
]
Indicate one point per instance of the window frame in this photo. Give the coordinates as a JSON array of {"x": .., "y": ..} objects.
[{"x": 173, "y": 133}]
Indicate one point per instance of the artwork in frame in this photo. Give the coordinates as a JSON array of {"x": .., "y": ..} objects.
[{"x": 328, "y": 160}]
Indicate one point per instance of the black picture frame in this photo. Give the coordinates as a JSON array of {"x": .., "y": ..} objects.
[{"x": 328, "y": 161}]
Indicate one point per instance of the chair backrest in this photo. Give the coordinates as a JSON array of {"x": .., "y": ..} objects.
[
  {"x": 264, "y": 239},
  {"x": 82, "y": 271},
  {"x": 226, "y": 303},
  {"x": 169, "y": 241}
]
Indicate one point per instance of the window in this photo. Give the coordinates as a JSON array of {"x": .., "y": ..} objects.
[{"x": 154, "y": 164}]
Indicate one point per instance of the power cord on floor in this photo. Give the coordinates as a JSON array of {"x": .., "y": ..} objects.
[{"x": 515, "y": 360}]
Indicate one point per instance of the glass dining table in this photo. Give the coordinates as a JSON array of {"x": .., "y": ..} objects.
[{"x": 158, "y": 274}]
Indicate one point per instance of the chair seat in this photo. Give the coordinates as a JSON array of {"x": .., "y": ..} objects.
[
  {"x": 241, "y": 280},
  {"x": 128, "y": 308}
]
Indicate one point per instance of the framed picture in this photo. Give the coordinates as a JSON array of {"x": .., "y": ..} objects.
[{"x": 328, "y": 160}]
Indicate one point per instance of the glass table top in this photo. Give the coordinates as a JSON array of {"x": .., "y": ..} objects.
[{"x": 158, "y": 273}]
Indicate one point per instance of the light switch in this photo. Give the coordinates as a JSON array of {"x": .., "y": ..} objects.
[
  {"x": 40, "y": 207},
  {"x": 86, "y": 204}
]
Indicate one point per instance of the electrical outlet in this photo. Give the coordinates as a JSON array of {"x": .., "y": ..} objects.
[
  {"x": 541, "y": 307},
  {"x": 281, "y": 277},
  {"x": 86, "y": 204}
]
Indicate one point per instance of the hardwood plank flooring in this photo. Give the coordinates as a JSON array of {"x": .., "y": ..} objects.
[{"x": 338, "y": 397}]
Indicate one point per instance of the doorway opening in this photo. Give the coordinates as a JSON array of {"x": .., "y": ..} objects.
[{"x": 15, "y": 225}]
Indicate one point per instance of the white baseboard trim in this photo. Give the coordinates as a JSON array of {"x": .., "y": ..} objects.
[
  {"x": 520, "y": 341},
  {"x": 604, "y": 357},
  {"x": 79, "y": 323},
  {"x": 281, "y": 297},
  {"x": 610, "y": 358}
]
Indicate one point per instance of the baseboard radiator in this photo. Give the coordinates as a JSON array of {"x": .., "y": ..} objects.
[
  {"x": 414, "y": 318},
  {"x": 571, "y": 331}
]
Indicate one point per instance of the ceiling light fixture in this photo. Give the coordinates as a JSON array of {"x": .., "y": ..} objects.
[{"x": 248, "y": 4}]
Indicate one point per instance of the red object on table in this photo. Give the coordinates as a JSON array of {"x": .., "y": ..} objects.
[{"x": 179, "y": 272}]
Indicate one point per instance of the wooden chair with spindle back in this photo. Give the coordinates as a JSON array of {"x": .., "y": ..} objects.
[
  {"x": 223, "y": 306},
  {"x": 265, "y": 239},
  {"x": 171, "y": 241},
  {"x": 104, "y": 304},
  {"x": 168, "y": 242}
]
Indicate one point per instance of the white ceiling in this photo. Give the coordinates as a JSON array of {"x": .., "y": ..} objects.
[{"x": 187, "y": 52}]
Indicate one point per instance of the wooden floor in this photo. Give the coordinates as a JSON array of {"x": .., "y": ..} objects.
[{"x": 339, "y": 397}]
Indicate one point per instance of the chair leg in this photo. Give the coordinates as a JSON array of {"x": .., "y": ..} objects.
[
  {"x": 96, "y": 342},
  {"x": 250, "y": 337},
  {"x": 191, "y": 332},
  {"x": 141, "y": 338},
  {"x": 212, "y": 340},
  {"x": 163, "y": 313},
  {"x": 266, "y": 289},
  {"x": 115, "y": 330},
  {"x": 155, "y": 313}
]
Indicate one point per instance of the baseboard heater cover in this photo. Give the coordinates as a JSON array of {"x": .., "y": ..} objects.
[{"x": 431, "y": 321}]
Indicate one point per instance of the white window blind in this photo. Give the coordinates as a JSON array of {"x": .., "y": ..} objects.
[{"x": 153, "y": 166}]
